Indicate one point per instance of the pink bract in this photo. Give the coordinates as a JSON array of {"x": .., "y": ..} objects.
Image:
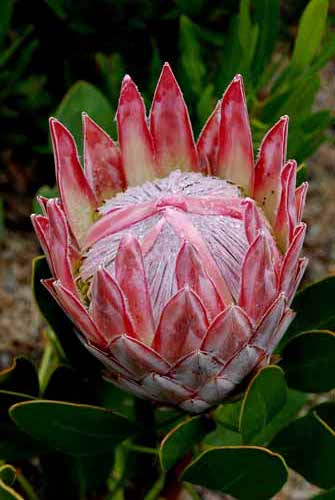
[{"x": 177, "y": 261}]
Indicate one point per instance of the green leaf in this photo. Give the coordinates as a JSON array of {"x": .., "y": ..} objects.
[
  {"x": 244, "y": 472},
  {"x": 112, "y": 72},
  {"x": 264, "y": 398},
  {"x": 205, "y": 103},
  {"x": 58, "y": 7},
  {"x": 308, "y": 446},
  {"x": 247, "y": 36},
  {"x": 294, "y": 403},
  {"x": 192, "y": 8},
  {"x": 75, "y": 352},
  {"x": 8, "y": 399},
  {"x": 231, "y": 55},
  {"x": 308, "y": 361},
  {"x": 7, "y": 474},
  {"x": 155, "y": 69},
  {"x": 311, "y": 28},
  {"x": 301, "y": 174},
  {"x": 326, "y": 53},
  {"x": 307, "y": 135},
  {"x": 47, "y": 192},
  {"x": 209, "y": 36},
  {"x": 296, "y": 100},
  {"x": 111, "y": 397},
  {"x": 23, "y": 60},
  {"x": 20, "y": 376},
  {"x": 72, "y": 428},
  {"x": 7, "y": 493},
  {"x": 181, "y": 439},
  {"x": 228, "y": 415},
  {"x": 191, "y": 61},
  {"x": 167, "y": 418},
  {"x": 223, "y": 437},
  {"x": 244, "y": 25},
  {"x": 83, "y": 96},
  {"x": 314, "y": 306},
  {"x": 9, "y": 52},
  {"x": 267, "y": 17}
]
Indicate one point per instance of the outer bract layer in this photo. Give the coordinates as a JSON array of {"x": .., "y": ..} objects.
[{"x": 176, "y": 261}]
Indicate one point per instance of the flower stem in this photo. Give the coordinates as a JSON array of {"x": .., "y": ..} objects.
[
  {"x": 140, "y": 449},
  {"x": 45, "y": 366},
  {"x": 156, "y": 489},
  {"x": 26, "y": 487}
]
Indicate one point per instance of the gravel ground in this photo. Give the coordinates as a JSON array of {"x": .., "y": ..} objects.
[{"x": 19, "y": 320}]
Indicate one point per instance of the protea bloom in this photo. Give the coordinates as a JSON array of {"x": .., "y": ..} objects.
[{"x": 176, "y": 261}]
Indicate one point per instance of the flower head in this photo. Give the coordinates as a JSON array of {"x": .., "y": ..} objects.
[{"x": 176, "y": 261}]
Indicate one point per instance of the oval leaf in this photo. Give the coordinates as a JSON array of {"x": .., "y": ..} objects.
[
  {"x": 7, "y": 474},
  {"x": 84, "y": 96},
  {"x": 315, "y": 308},
  {"x": 181, "y": 439},
  {"x": 308, "y": 361},
  {"x": 223, "y": 437},
  {"x": 263, "y": 400},
  {"x": 311, "y": 28},
  {"x": 242, "y": 471},
  {"x": 72, "y": 428},
  {"x": 7, "y": 493},
  {"x": 8, "y": 399},
  {"x": 308, "y": 446}
]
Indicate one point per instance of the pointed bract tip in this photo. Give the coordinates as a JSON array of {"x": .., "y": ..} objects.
[
  {"x": 290, "y": 164},
  {"x": 125, "y": 80},
  {"x": 167, "y": 76},
  {"x": 284, "y": 118},
  {"x": 234, "y": 91},
  {"x": 57, "y": 126},
  {"x": 129, "y": 92}
]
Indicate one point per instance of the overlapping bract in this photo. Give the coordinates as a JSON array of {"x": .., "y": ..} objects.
[{"x": 176, "y": 261}]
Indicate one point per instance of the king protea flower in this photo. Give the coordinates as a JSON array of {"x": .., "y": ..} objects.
[{"x": 176, "y": 261}]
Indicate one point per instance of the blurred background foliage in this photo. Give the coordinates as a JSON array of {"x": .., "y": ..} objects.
[{"x": 62, "y": 57}]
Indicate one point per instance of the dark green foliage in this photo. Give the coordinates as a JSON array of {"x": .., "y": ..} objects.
[
  {"x": 315, "y": 308},
  {"x": 261, "y": 473},
  {"x": 309, "y": 359},
  {"x": 264, "y": 399},
  {"x": 72, "y": 428},
  {"x": 182, "y": 439},
  {"x": 313, "y": 458}
]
